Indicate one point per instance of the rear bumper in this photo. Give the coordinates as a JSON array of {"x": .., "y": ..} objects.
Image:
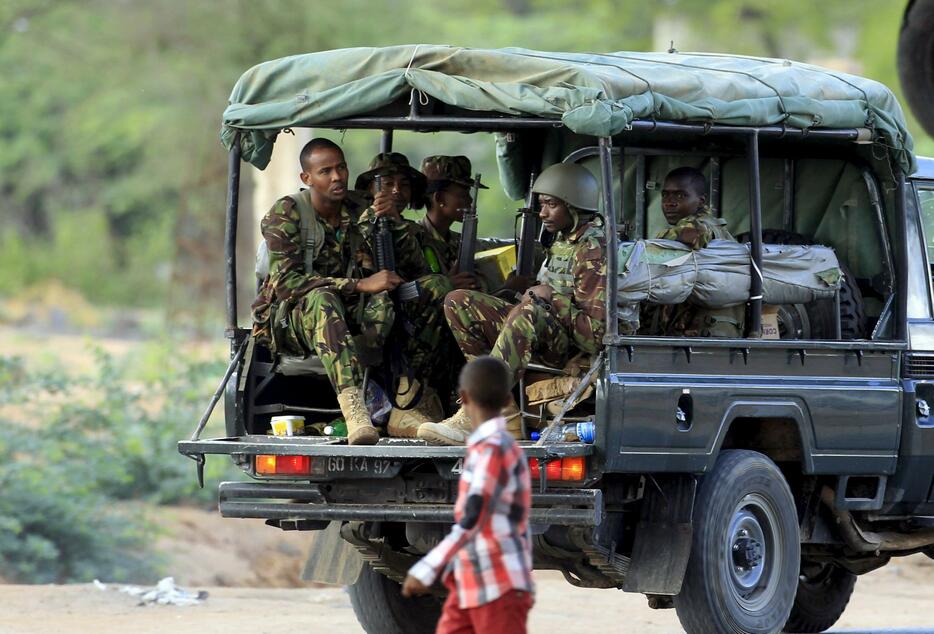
[
  {"x": 290, "y": 502},
  {"x": 386, "y": 448}
]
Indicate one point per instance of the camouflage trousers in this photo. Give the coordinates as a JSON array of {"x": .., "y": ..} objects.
[
  {"x": 428, "y": 344},
  {"x": 323, "y": 324},
  {"x": 516, "y": 333}
]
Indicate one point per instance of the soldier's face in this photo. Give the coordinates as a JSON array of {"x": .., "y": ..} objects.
[
  {"x": 398, "y": 186},
  {"x": 553, "y": 213},
  {"x": 453, "y": 201},
  {"x": 679, "y": 199},
  {"x": 326, "y": 174}
]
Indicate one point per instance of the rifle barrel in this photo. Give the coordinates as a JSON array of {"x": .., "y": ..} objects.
[
  {"x": 383, "y": 245},
  {"x": 468, "y": 248}
]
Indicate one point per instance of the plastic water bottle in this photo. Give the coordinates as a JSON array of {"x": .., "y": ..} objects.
[
  {"x": 578, "y": 432},
  {"x": 377, "y": 403}
]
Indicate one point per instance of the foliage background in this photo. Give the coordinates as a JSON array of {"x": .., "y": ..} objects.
[
  {"x": 112, "y": 176},
  {"x": 112, "y": 184}
]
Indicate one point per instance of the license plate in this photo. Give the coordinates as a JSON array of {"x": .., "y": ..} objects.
[{"x": 354, "y": 467}]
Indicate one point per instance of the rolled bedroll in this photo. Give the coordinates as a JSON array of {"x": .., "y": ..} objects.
[{"x": 719, "y": 276}]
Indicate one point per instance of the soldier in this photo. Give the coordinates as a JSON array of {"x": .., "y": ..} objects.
[
  {"x": 422, "y": 320},
  {"x": 322, "y": 284},
  {"x": 449, "y": 184},
  {"x": 564, "y": 313},
  {"x": 684, "y": 203},
  {"x": 405, "y": 188}
]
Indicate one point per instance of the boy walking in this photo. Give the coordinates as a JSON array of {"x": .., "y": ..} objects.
[{"x": 489, "y": 549}]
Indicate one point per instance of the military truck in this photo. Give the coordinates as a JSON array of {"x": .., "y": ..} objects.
[{"x": 744, "y": 482}]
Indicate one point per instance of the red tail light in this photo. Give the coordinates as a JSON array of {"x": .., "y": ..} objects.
[
  {"x": 283, "y": 465},
  {"x": 572, "y": 469}
]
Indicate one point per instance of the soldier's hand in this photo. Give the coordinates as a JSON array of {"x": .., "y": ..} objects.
[
  {"x": 379, "y": 282},
  {"x": 384, "y": 205},
  {"x": 465, "y": 280},
  {"x": 413, "y": 587},
  {"x": 691, "y": 237},
  {"x": 518, "y": 283},
  {"x": 543, "y": 291}
]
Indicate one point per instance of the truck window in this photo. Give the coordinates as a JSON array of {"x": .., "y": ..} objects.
[{"x": 926, "y": 199}]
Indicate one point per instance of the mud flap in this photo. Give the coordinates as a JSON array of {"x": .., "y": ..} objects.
[
  {"x": 331, "y": 559},
  {"x": 663, "y": 536}
]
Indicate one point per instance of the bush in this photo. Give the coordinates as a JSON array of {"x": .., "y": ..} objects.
[
  {"x": 83, "y": 255},
  {"x": 81, "y": 452}
]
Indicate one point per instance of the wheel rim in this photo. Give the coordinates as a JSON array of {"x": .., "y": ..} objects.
[
  {"x": 753, "y": 549},
  {"x": 793, "y": 322}
]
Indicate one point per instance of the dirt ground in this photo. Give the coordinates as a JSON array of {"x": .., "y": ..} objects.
[{"x": 250, "y": 572}]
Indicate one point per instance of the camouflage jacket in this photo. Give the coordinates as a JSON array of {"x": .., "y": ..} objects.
[
  {"x": 410, "y": 261},
  {"x": 575, "y": 268},
  {"x": 442, "y": 250},
  {"x": 697, "y": 230},
  {"x": 344, "y": 258}
]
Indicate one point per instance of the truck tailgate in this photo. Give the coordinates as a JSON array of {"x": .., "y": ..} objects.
[{"x": 386, "y": 448}]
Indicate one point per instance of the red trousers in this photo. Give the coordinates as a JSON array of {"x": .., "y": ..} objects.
[{"x": 506, "y": 615}]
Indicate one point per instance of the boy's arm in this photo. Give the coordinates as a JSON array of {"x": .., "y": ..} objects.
[{"x": 486, "y": 468}]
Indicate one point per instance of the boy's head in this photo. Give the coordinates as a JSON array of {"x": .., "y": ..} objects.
[{"x": 484, "y": 388}]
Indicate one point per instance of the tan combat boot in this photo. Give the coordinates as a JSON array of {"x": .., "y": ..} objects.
[
  {"x": 404, "y": 423},
  {"x": 451, "y": 431},
  {"x": 360, "y": 430}
]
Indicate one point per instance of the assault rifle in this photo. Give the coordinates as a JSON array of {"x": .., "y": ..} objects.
[
  {"x": 468, "y": 248},
  {"x": 528, "y": 234},
  {"x": 385, "y": 253}
]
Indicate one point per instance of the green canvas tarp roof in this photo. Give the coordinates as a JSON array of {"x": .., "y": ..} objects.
[{"x": 593, "y": 94}]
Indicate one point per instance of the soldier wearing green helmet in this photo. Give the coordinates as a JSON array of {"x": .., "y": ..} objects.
[{"x": 562, "y": 314}]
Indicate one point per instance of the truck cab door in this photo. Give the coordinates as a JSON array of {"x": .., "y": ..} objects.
[{"x": 911, "y": 489}]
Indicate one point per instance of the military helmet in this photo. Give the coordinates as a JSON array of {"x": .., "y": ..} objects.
[
  {"x": 570, "y": 182},
  {"x": 387, "y": 163},
  {"x": 441, "y": 170}
]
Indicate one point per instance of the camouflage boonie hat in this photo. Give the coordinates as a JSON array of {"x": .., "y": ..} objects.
[
  {"x": 394, "y": 163},
  {"x": 441, "y": 170}
]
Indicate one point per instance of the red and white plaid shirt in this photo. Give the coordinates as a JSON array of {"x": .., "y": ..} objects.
[{"x": 489, "y": 548}]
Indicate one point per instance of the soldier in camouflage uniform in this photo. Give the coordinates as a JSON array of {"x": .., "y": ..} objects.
[
  {"x": 449, "y": 185},
  {"x": 564, "y": 313},
  {"x": 684, "y": 203},
  {"x": 322, "y": 286},
  {"x": 421, "y": 320}
]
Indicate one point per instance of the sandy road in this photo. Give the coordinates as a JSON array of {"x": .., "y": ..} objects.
[{"x": 898, "y": 598}]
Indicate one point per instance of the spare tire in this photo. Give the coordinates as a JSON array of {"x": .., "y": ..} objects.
[
  {"x": 819, "y": 323},
  {"x": 916, "y": 60}
]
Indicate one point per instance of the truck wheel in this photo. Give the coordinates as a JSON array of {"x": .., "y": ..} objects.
[
  {"x": 380, "y": 608},
  {"x": 743, "y": 570},
  {"x": 818, "y": 321},
  {"x": 822, "y": 596}
]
